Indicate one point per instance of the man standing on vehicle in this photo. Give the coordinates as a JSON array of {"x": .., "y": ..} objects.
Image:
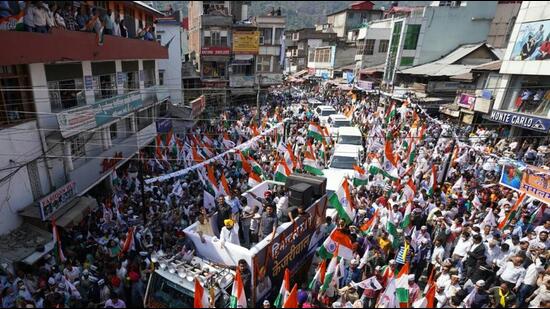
[{"x": 268, "y": 223}]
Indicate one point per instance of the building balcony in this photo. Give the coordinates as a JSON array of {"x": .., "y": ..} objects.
[
  {"x": 102, "y": 112},
  {"x": 240, "y": 81},
  {"x": 27, "y": 47},
  {"x": 216, "y": 20},
  {"x": 269, "y": 79},
  {"x": 96, "y": 167}
]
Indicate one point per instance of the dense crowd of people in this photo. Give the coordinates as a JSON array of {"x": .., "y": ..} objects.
[{"x": 457, "y": 250}]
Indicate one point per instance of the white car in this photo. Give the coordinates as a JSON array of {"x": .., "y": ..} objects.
[
  {"x": 336, "y": 122},
  {"x": 323, "y": 112},
  {"x": 341, "y": 165},
  {"x": 350, "y": 136}
]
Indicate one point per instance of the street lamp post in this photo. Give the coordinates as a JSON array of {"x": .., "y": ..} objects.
[{"x": 258, "y": 99}]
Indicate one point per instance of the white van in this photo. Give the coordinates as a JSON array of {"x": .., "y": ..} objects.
[
  {"x": 341, "y": 165},
  {"x": 323, "y": 112},
  {"x": 350, "y": 136},
  {"x": 337, "y": 121}
]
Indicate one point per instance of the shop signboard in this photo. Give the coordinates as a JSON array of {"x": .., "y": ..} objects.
[
  {"x": 531, "y": 180},
  {"x": 51, "y": 203},
  {"x": 215, "y": 51},
  {"x": 88, "y": 117},
  {"x": 467, "y": 101},
  {"x": 521, "y": 120},
  {"x": 532, "y": 42},
  {"x": 289, "y": 249},
  {"x": 246, "y": 42},
  {"x": 365, "y": 85},
  {"x": 88, "y": 82},
  {"x": 164, "y": 125}
]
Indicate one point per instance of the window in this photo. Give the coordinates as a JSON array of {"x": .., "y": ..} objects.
[
  {"x": 161, "y": 77},
  {"x": 322, "y": 55},
  {"x": 131, "y": 82},
  {"x": 15, "y": 106},
  {"x": 265, "y": 36},
  {"x": 78, "y": 146},
  {"x": 62, "y": 95},
  {"x": 130, "y": 70},
  {"x": 129, "y": 126},
  {"x": 528, "y": 94},
  {"x": 278, "y": 34},
  {"x": 411, "y": 36},
  {"x": 213, "y": 69},
  {"x": 215, "y": 38},
  {"x": 242, "y": 69},
  {"x": 144, "y": 118},
  {"x": 407, "y": 61},
  {"x": 113, "y": 131},
  {"x": 104, "y": 86},
  {"x": 149, "y": 73},
  {"x": 383, "y": 47},
  {"x": 369, "y": 47},
  {"x": 295, "y": 36},
  {"x": 263, "y": 63}
]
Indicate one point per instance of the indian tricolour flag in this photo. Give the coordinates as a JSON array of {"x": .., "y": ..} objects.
[
  {"x": 409, "y": 191},
  {"x": 227, "y": 142},
  {"x": 310, "y": 164},
  {"x": 342, "y": 202},
  {"x": 242, "y": 163},
  {"x": 337, "y": 243},
  {"x": 323, "y": 151},
  {"x": 282, "y": 171},
  {"x": 315, "y": 131},
  {"x": 369, "y": 225},
  {"x": 329, "y": 276},
  {"x": 211, "y": 177},
  {"x": 407, "y": 218},
  {"x": 255, "y": 166},
  {"x": 360, "y": 178},
  {"x": 201, "y": 297},
  {"x": 390, "y": 161},
  {"x": 254, "y": 179},
  {"x": 238, "y": 297},
  {"x": 391, "y": 112},
  {"x": 433, "y": 181},
  {"x": 402, "y": 286},
  {"x": 284, "y": 291},
  {"x": 57, "y": 249},
  {"x": 411, "y": 153},
  {"x": 319, "y": 277},
  {"x": 375, "y": 168}
]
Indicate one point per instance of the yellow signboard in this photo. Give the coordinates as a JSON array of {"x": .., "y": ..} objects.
[{"x": 246, "y": 42}]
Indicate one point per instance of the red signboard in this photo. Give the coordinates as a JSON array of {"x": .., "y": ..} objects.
[{"x": 215, "y": 51}]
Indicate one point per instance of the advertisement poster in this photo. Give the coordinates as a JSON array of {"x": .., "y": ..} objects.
[
  {"x": 51, "y": 203},
  {"x": 246, "y": 42},
  {"x": 533, "y": 42},
  {"x": 290, "y": 249},
  {"x": 533, "y": 181}
]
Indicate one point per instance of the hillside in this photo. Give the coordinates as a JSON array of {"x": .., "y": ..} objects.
[{"x": 300, "y": 14}]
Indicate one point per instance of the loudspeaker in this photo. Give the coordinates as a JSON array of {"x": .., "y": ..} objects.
[
  {"x": 318, "y": 184},
  {"x": 301, "y": 194}
]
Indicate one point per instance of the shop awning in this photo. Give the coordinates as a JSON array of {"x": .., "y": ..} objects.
[
  {"x": 452, "y": 110},
  {"x": 299, "y": 73},
  {"x": 27, "y": 242},
  {"x": 74, "y": 215}
]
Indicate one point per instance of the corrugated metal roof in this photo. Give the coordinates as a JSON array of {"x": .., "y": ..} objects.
[
  {"x": 445, "y": 66},
  {"x": 491, "y": 66},
  {"x": 150, "y": 8}
]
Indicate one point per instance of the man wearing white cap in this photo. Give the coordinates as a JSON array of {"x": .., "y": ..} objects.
[
  {"x": 414, "y": 290},
  {"x": 440, "y": 296}
]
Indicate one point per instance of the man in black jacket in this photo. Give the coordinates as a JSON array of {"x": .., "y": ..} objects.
[{"x": 476, "y": 255}]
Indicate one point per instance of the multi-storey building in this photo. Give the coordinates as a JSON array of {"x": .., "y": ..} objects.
[
  {"x": 298, "y": 44},
  {"x": 352, "y": 17},
  {"x": 522, "y": 95},
  {"x": 72, "y": 111},
  {"x": 424, "y": 35},
  {"x": 271, "y": 55}
]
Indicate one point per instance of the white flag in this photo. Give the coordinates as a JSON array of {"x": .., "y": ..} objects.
[
  {"x": 209, "y": 202},
  {"x": 370, "y": 283}
]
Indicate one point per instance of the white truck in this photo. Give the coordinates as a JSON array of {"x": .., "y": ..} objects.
[{"x": 293, "y": 247}]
